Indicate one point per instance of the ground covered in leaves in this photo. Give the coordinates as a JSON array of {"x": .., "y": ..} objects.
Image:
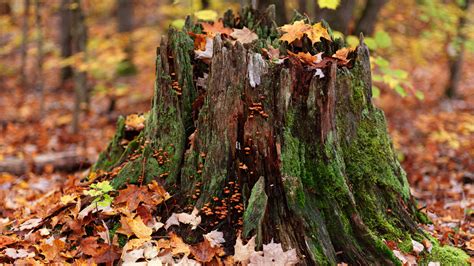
[{"x": 49, "y": 216}]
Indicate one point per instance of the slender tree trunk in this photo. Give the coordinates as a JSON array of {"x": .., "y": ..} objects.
[
  {"x": 301, "y": 160},
  {"x": 456, "y": 60},
  {"x": 340, "y": 18},
  {"x": 5, "y": 7},
  {"x": 65, "y": 28},
  {"x": 39, "y": 58},
  {"x": 125, "y": 26},
  {"x": 366, "y": 23},
  {"x": 302, "y": 6},
  {"x": 81, "y": 101},
  {"x": 205, "y": 4},
  {"x": 24, "y": 43}
]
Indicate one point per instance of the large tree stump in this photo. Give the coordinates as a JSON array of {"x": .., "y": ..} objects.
[{"x": 302, "y": 160}]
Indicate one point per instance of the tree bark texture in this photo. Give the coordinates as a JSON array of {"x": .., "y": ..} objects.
[{"x": 301, "y": 160}]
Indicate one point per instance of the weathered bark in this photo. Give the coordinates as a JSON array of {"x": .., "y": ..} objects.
[
  {"x": 301, "y": 160},
  {"x": 366, "y": 23},
  {"x": 456, "y": 60},
  {"x": 340, "y": 18}
]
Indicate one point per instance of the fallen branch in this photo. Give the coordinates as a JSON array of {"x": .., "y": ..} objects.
[{"x": 67, "y": 161}]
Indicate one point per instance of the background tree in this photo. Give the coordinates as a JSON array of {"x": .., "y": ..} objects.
[
  {"x": 24, "y": 42},
  {"x": 79, "y": 46},
  {"x": 65, "y": 33},
  {"x": 456, "y": 58},
  {"x": 39, "y": 86}
]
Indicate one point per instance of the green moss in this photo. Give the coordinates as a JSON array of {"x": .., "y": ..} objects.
[
  {"x": 406, "y": 246},
  {"x": 446, "y": 255},
  {"x": 255, "y": 210},
  {"x": 370, "y": 157},
  {"x": 133, "y": 171},
  {"x": 109, "y": 158}
]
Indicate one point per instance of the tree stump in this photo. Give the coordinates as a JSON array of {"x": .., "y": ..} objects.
[{"x": 271, "y": 150}]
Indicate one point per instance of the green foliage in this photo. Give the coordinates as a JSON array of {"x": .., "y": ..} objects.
[{"x": 100, "y": 193}]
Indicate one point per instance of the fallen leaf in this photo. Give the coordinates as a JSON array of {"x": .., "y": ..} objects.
[
  {"x": 204, "y": 252},
  {"x": 342, "y": 54},
  {"x": 217, "y": 27},
  {"x": 208, "y": 51},
  {"x": 215, "y": 238},
  {"x": 307, "y": 57},
  {"x": 135, "y": 122},
  {"x": 242, "y": 252},
  {"x": 139, "y": 228},
  {"x": 317, "y": 32},
  {"x": 173, "y": 220},
  {"x": 294, "y": 31},
  {"x": 244, "y": 35},
  {"x": 7, "y": 240},
  {"x": 51, "y": 252},
  {"x": 427, "y": 244},
  {"x": 185, "y": 261},
  {"x": 18, "y": 253},
  {"x": 273, "y": 254},
  {"x": 32, "y": 223},
  {"x": 177, "y": 245},
  {"x": 417, "y": 247}
]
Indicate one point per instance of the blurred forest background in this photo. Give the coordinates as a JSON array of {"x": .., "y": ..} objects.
[{"x": 69, "y": 68}]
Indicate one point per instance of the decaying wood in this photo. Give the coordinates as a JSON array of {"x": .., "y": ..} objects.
[
  {"x": 67, "y": 161},
  {"x": 273, "y": 151}
]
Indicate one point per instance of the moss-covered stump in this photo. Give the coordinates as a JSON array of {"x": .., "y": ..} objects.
[{"x": 271, "y": 149}]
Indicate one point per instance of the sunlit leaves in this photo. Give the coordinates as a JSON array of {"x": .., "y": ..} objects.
[
  {"x": 296, "y": 31},
  {"x": 330, "y": 4},
  {"x": 206, "y": 15}
]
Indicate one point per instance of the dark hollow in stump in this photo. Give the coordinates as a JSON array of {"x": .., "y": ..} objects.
[{"x": 302, "y": 160}]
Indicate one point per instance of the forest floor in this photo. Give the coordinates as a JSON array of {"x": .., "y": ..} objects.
[{"x": 434, "y": 139}]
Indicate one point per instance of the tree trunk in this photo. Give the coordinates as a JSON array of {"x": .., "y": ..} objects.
[
  {"x": 79, "y": 34},
  {"x": 366, "y": 23},
  {"x": 65, "y": 32},
  {"x": 340, "y": 18},
  {"x": 24, "y": 42},
  {"x": 5, "y": 7},
  {"x": 456, "y": 60},
  {"x": 39, "y": 59},
  {"x": 125, "y": 26},
  {"x": 301, "y": 160}
]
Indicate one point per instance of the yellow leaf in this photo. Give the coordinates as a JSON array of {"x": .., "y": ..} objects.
[
  {"x": 139, "y": 228},
  {"x": 331, "y": 4},
  {"x": 298, "y": 29},
  {"x": 294, "y": 31},
  {"x": 316, "y": 32},
  {"x": 135, "y": 122},
  {"x": 66, "y": 199}
]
